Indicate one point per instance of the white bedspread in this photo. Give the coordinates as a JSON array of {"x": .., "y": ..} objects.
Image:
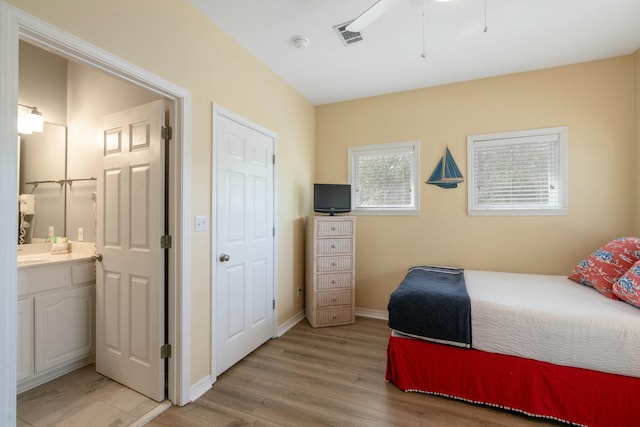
[{"x": 553, "y": 319}]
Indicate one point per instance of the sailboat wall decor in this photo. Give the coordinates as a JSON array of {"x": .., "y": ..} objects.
[{"x": 446, "y": 174}]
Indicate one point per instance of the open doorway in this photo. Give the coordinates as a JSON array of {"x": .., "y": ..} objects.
[
  {"x": 28, "y": 29},
  {"x": 77, "y": 98}
]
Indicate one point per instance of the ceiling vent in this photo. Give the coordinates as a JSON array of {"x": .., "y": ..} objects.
[{"x": 347, "y": 37}]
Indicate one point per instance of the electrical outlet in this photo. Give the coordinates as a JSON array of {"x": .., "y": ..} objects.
[
  {"x": 51, "y": 231},
  {"x": 80, "y": 234},
  {"x": 201, "y": 223}
]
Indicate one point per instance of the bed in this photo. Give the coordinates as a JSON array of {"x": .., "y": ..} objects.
[{"x": 541, "y": 345}]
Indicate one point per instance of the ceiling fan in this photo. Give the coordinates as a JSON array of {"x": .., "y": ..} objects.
[
  {"x": 383, "y": 6},
  {"x": 374, "y": 12}
]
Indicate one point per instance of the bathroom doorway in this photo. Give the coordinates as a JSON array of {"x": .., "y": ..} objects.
[
  {"x": 83, "y": 97},
  {"x": 40, "y": 34}
]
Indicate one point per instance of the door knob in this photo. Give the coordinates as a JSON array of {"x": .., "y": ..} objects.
[
  {"x": 224, "y": 257},
  {"x": 97, "y": 257}
]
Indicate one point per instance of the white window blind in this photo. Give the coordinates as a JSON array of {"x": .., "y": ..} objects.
[
  {"x": 518, "y": 173},
  {"x": 384, "y": 178}
]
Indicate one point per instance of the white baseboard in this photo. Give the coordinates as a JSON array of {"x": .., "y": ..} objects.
[
  {"x": 297, "y": 318},
  {"x": 200, "y": 388},
  {"x": 374, "y": 314}
]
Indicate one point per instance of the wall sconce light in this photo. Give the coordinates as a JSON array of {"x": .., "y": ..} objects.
[{"x": 30, "y": 122}]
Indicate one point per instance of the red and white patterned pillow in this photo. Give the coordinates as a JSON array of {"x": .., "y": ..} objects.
[
  {"x": 627, "y": 288},
  {"x": 605, "y": 266}
]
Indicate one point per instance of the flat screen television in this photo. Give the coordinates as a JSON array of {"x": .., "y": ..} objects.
[{"x": 332, "y": 198}]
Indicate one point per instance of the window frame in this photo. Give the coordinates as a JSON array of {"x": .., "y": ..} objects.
[
  {"x": 563, "y": 169},
  {"x": 391, "y": 147}
]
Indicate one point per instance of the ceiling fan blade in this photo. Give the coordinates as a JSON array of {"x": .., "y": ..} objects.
[{"x": 370, "y": 15}]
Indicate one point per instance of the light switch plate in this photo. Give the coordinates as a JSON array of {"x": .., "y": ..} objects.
[{"x": 201, "y": 223}]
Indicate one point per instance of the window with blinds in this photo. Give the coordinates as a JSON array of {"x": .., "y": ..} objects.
[
  {"x": 384, "y": 178},
  {"x": 518, "y": 173}
]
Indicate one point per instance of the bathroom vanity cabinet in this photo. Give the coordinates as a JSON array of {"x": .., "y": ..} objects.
[{"x": 56, "y": 320}]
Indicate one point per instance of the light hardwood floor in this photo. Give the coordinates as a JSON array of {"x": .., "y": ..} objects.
[{"x": 326, "y": 377}]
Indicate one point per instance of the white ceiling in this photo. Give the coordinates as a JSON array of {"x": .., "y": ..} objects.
[{"x": 522, "y": 35}]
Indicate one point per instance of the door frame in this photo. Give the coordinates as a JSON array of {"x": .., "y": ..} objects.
[
  {"x": 218, "y": 113},
  {"x": 18, "y": 25}
]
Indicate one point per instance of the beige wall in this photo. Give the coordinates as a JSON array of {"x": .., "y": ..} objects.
[
  {"x": 175, "y": 41},
  {"x": 91, "y": 95},
  {"x": 595, "y": 100}
]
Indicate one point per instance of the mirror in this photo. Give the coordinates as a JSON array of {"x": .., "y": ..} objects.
[{"x": 42, "y": 169}]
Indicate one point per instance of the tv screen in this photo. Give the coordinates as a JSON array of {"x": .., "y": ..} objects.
[{"x": 332, "y": 198}]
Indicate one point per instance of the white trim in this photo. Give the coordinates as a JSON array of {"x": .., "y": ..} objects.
[
  {"x": 372, "y": 314},
  {"x": 8, "y": 226},
  {"x": 219, "y": 111},
  {"x": 200, "y": 387},
  {"x": 288, "y": 324},
  {"x": 16, "y": 25}
]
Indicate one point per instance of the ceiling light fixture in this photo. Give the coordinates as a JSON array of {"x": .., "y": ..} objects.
[{"x": 30, "y": 122}]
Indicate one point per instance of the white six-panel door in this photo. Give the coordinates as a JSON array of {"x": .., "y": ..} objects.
[
  {"x": 244, "y": 240},
  {"x": 130, "y": 279}
]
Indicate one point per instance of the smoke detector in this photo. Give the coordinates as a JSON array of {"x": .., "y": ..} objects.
[{"x": 300, "y": 42}]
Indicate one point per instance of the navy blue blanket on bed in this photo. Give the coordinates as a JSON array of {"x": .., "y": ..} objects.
[{"x": 432, "y": 303}]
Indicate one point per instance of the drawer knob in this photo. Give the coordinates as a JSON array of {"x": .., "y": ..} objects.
[
  {"x": 333, "y": 264},
  {"x": 333, "y": 246},
  {"x": 333, "y": 229},
  {"x": 333, "y": 282}
]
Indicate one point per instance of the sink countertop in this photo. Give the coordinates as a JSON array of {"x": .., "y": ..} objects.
[{"x": 38, "y": 254}]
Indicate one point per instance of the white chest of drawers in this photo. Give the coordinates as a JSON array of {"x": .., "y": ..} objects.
[{"x": 330, "y": 270}]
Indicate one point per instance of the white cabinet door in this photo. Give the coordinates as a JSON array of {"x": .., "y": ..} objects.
[
  {"x": 25, "y": 339},
  {"x": 64, "y": 329}
]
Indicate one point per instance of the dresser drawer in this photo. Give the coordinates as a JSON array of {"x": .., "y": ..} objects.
[
  {"x": 329, "y": 299},
  {"x": 334, "y": 263},
  {"x": 335, "y": 246},
  {"x": 335, "y": 228},
  {"x": 335, "y": 316},
  {"x": 334, "y": 281}
]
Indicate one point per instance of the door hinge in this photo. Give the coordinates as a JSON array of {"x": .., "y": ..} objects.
[
  {"x": 167, "y": 133},
  {"x": 273, "y": 159},
  {"x": 273, "y": 304},
  {"x": 165, "y": 241},
  {"x": 165, "y": 351}
]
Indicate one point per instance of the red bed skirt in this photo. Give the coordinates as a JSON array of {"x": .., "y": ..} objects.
[{"x": 539, "y": 389}]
